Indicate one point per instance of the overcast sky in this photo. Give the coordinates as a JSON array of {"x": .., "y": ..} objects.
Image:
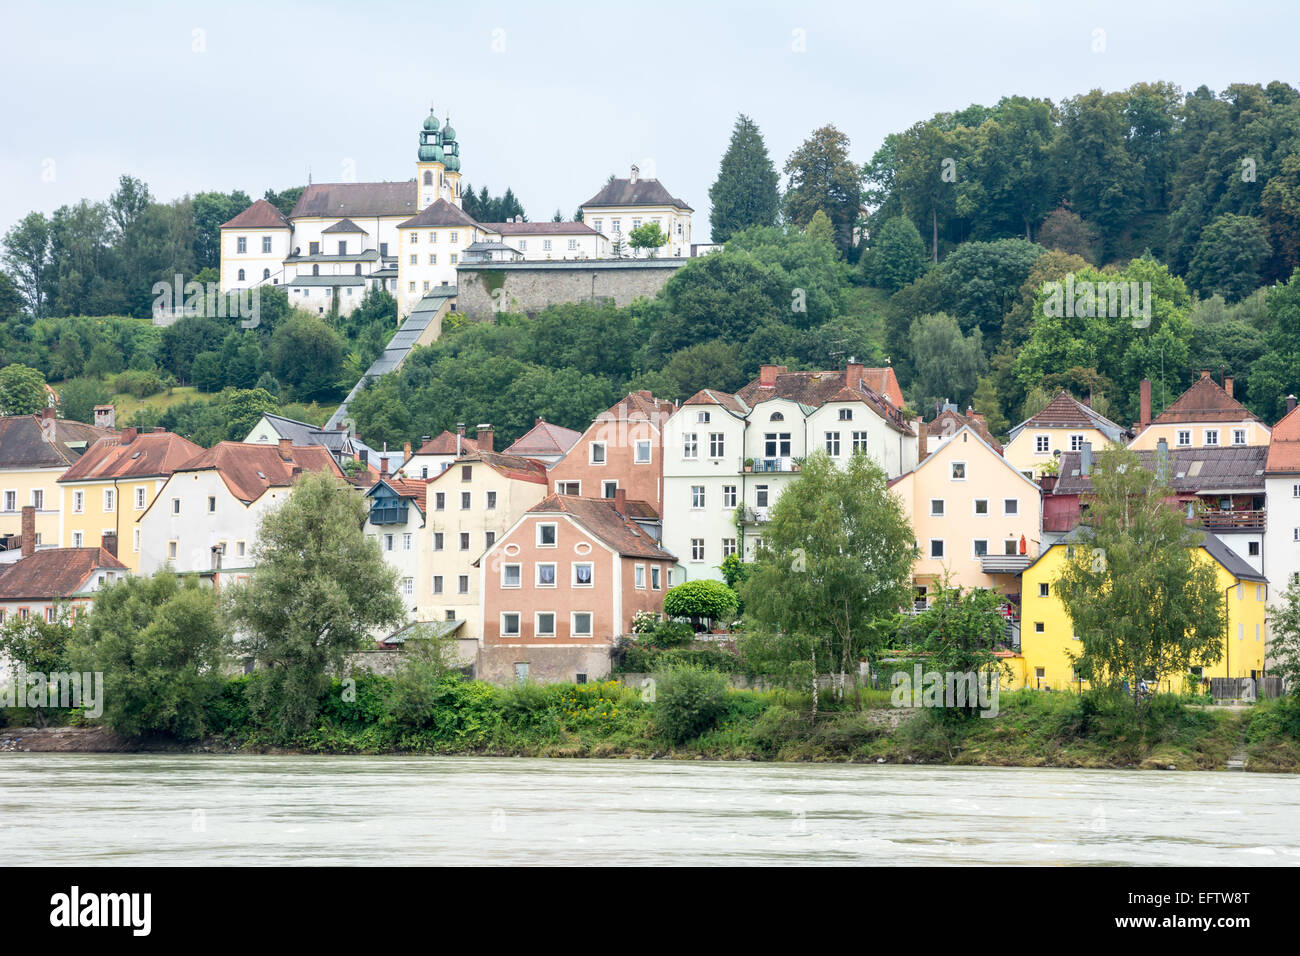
[{"x": 549, "y": 98}]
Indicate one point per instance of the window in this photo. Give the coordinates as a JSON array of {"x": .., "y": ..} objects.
[
  {"x": 406, "y": 541},
  {"x": 433, "y": 258},
  {"x": 241, "y": 244},
  {"x": 78, "y": 537},
  {"x": 654, "y": 573},
  {"x": 936, "y": 507},
  {"x": 573, "y": 244},
  {"x": 1252, "y": 548},
  {"x": 981, "y": 507},
  {"x": 465, "y": 499},
  {"x": 388, "y": 542},
  {"x": 546, "y": 535},
  {"x": 415, "y": 238},
  {"x": 582, "y": 574},
  {"x": 241, "y": 275},
  {"x": 776, "y": 445},
  {"x": 957, "y": 471},
  {"x": 437, "y": 584},
  {"x": 568, "y": 487},
  {"x": 415, "y": 260},
  {"x": 1239, "y": 436},
  {"x": 212, "y": 504},
  {"x": 139, "y": 499},
  {"x": 510, "y": 624},
  {"x": 171, "y": 550},
  {"x": 846, "y": 414},
  {"x": 609, "y": 489},
  {"x": 859, "y": 443},
  {"x": 135, "y": 542},
  {"x": 464, "y": 541},
  {"x": 78, "y": 502},
  {"x": 1011, "y": 506},
  {"x": 1184, "y": 438},
  {"x": 1039, "y": 629},
  {"x": 489, "y": 539},
  {"x": 240, "y": 548},
  {"x": 728, "y": 548},
  {"x": 408, "y": 586},
  {"x": 511, "y": 575},
  {"x": 728, "y": 496},
  {"x": 833, "y": 444},
  {"x": 596, "y": 224},
  {"x": 1009, "y": 546},
  {"x": 462, "y": 584},
  {"x": 597, "y": 453},
  {"x": 776, "y": 417},
  {"x": 176, "y": 506},
  {"x": 936, "y": 547},
  {"x": 697, "y": 549},
  {"x": 1076, "y": 442},
  {"x": 697, "y": 496},
  {"x": 580, "y": 624},
  {"x": 642, "y": 452},
  {"x": 433, "y": 236},
  {"x": 110, "y": 499},
  {"x": 11, "y": 501},
  {"x": 455, "y": 237},
  {"x": 1211, "y": 436},
  {"x": 437, "y": 540},
  {"x": 546, "y": 245},
  {"x": 266, "y": 274},
  {"x": 466, "y": 472},
  {"x": 546, "y": 575},
  {"x": 760, "y": 496},
  {"x": 1042, "y": 444},
  {"x": 491, "y": 501},
  {"x": 690, "y": 445},
  {"x": 454, "y": 258},
  {"x": 980, "y": 547},
  {"x": 1044, "y": 589},
  {"x": 545, "y": 624},
  {"x": 717, "y": 444},
  {"x": 266, "y": 244},
  {"x": 638, "y": 577}
]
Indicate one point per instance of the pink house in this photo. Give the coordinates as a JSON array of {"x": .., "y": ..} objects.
[{"x": 562, "y": 584}]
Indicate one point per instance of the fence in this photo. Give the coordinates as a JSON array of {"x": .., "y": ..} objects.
[{"x": 1238, "y": 688}]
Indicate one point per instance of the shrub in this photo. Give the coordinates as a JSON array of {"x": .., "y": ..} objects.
[
  {"x": 667, "y": 634},
  {"x": 140, "y": 384},
  {"x": 710, "y": 600},
  {"x": 688, "y": 701}
]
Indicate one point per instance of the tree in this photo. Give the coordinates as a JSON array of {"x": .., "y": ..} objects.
[
  {"x": 701, "y": 601},
  {"x": 1284, "y": 637},
  {"x": 242, "y": 408},
  {"x": 78, "y": 398},
  {"x": 947, "y": 365},
  {"x": 1065, "y": 231},
  {"x": 38, "y": 646},
  {"x": 896, "y": 256},
  {"x": 11, "y": 301},
  {"x": 307, "y": 355},
  {"x": 319, "y": 588},
  {"x": 833, "y": 566},
  {"x": 1228, "y": 257},
  {"x": 22, "y": 390},
  {"x": 647, "y": 236},
  {"x": 160, "y": 643},
  {"x": 1143, "y": 604},
  {"x": 747, "y": 190},
  {"x": 27, "y": 253},
  {"x": 821, "y": 176}
]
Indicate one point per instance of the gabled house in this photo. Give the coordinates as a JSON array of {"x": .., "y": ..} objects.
[
  {"x": 561, "y": 585},
  {"x": 1282, "y": 494},
  {"x": 545, "y": 442},
  {"x": 1065, "y": 424},
  {"x": 976, "y": 517},
  {"x": 435, "y": 454},
  {"x": 727, "y": 456},
  {"x": 1204, "y": 416},
  {"x": 112, "y": 484},
  {"x": 622, "y": 449},
  {"x": 35, "y": 452},
  {"x": 947, "y": 423},
  {"x": 204, "y": 519},
  {"x": 394, "y": 517},
  {"x": 42, "y": 583}
]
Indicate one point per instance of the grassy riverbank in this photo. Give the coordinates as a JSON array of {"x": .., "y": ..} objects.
[{"x": 610, "y": 719}]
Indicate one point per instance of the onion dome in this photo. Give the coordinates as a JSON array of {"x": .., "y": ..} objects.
[{"x": 431, "y": 121}]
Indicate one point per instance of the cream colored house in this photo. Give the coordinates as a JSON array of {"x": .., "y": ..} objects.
[
  {"x": 1204, "y": 416},
  {"x": 627, "y": 204},
  {"x": 976, "y": 517},
  {"x": 1063, "y": 426}
]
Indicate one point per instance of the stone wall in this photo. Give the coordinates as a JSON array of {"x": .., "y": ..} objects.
[
  {"x": 529, "y": 287},
  {"x": 546, "y": 665}
]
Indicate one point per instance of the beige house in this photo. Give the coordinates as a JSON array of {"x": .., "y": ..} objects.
[
  {"x": 976, "y": 517},
  {"x": 1204, "y": 416},
  {"x": 1063, "y": 426},
  {"x": 623, "y": 205}
]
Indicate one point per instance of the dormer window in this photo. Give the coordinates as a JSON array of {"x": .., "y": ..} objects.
[
  {"x": 777, "y": 417},
  {"x": 846, "y": 414},
  {"x": 702, "y": 417}
]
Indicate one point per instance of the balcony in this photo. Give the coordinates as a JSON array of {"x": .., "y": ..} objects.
[
  {"x": 1232, "y": 520},
  {"x": 1004, "y": 563},
  {"x": 750, "y": 515},
  {"x": 391, "y": 514},
  {"x": 779, "y": 464}
]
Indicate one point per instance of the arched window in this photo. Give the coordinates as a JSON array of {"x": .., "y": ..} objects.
[
  {"x": 315, "y": 270},
  {"x": 428, "y": 178},
  {"x": 241, "y": 275},
  {"x": 777, "y": 417},
  {"x": 266, "y": 273}
]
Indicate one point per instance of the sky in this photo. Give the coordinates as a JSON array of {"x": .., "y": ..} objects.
[{"x": 550, "y": 98}]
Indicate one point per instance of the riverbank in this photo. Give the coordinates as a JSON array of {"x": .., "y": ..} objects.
[{"x": 610, "y": 720}]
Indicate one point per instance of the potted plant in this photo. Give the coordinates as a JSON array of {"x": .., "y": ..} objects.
[
  {"x": 796, "y": 464},
  {"x": 1050, "y": 474},
  {"x": 749, "y": 464}
]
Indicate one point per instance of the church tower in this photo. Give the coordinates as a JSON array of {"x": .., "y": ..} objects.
[{"x": 437, "y": 169}]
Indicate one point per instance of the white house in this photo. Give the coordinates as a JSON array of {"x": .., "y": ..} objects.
[
  {"x": 627, "y": 204},
  {"x": 1282, "y": 493},
  {"x": 394, "y": 518}
]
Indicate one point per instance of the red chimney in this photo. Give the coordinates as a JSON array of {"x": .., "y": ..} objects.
[
  {"x": 406, "y": 451},
  {"x": 483, "y": 436},
  {"x": 620, "y": 501},
  {"x": 47, "y": 413},
  {"x": 28, "y": 531},
  {"x": 922, "y": 439},
  {"x": 1144, "y": 403},
  {"x": 1227, "y": 385},
  {"x": 1205, "y": 373},
  {"x": 853, "y": 374},
  {"x": 127, "y": 436},
  {"x": 767, "y": 375},
  {"x": 286, "y": 449},
  {"x": 383, "y": 466}
]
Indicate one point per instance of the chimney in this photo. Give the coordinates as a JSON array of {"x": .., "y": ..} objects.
[
  {"x": 636, "y": 171},
  {"x": 1290, "y": 404},
  {"x": 286, "y": 449},
  {"x": 767, "y": 375},
  {"x": 127, "y": 436},
  {"x": 460, "y": 435},
  {"x": 620, "y": 501},
  {"x": 108, "y": 541},
  {"x": 47, "y": 414},
  {"x": 1227, "y": 385},
  {"x": 105, "y": 416},
  {"x": 922, "y": 439},
  {"x": 483, "y": 435},
  {"x": 217, "y": 552},
  {"x": 1205, "y": 373},
  {"x": 406, "y": 451},
  {"x": 853, "y": 374},
  {"x": 425, "y": 439},
  {"x": 1085, "y": 458},
  {"x": 383, "y": 466},
  {"x": 1144, "y": 403},
  {"x": 29, "y": 530},
  {"x": 1162, "y": 459}
]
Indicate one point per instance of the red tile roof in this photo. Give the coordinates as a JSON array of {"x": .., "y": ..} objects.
[
  {"x": 511, "y": 466},
  {"x": 147, "y": 455},
  {"x": 639, "y": 406},
  {"x": 599, "y": 517},
  {"x": 1205, "y": 401},
  {"x": 445, "y": 444},
  {"x": 249, "y": 470},
  {"x": 1284, "y": 445},
  {"x": 544, "y": 438},
  {"x": 950, "y": 421},
  {"x": 260, "y": 215},
  {"x": 1066, "y": 411},
  {"x": 53, "y": 573},
  {"x": 406, "y": 488},
  {"x": 884, "y": 381}
]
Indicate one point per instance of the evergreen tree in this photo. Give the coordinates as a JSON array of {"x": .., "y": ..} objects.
[{"x": 746, "y": 192}]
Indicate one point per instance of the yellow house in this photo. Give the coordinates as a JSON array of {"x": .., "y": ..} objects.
[
  {"x": 1063, "y": 426},
  {"x": 1204, "y": 416},
  {"x": 1047, "y": 633},
  {"x": 111, "y": 486},
  {"x": 35, "y": 451},
  {"x": 975, "y": 516}
]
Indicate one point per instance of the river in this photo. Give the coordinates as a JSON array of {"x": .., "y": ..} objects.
[{"x": 131, "y": 809}]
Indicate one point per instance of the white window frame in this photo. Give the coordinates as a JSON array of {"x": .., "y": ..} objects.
[
  {"x": 519, "y": 624},
  {"x": 537, "y": 574},
  {"x": 555, "y": 533},
  {"x": 537, "y": 624},
  {"x": 573, "y": 575},
  {"x": 591, "y": 453},
  {"x": 573, "y": 624},
  {"x": 638, "y": 459}
]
